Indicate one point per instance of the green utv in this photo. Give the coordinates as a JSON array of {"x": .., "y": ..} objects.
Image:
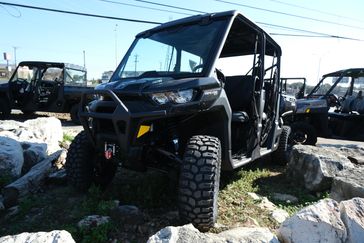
[{"x": 197, "y": 95}]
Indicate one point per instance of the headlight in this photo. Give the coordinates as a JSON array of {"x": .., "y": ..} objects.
[{"x": 177, "y": 97}]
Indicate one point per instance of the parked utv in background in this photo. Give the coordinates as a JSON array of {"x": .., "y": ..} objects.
[
  {"x": 44, "y": 86},
  {"x": 334, "y": 108},
  {"x": 292, "y": 89},
  {"x": 203, "y": 96}
]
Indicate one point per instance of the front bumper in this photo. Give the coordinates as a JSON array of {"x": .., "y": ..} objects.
[{"x": 122, "y": 124}]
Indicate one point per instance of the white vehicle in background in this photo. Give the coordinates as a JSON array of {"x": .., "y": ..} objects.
[{"x": 106, "y": 76}]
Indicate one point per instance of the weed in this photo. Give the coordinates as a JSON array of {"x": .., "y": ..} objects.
[
  {"x": 67, "y": 137},
  {"x": 236, "y": 207},
  {"x": 95, "y": 204},
  {"x": 98, "y": 234}
]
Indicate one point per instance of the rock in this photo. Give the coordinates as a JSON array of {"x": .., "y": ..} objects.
[
  {"x": 348, "y": 184},
  {"x": 61, "y": 161},
  {"x": 2, "y": 207},
  {"x": 267, "y": 205},
  {"x": 48, "y": 129},
  {"x": 276, "y": 214},
  {"x": 128, "y": 210},
  {"x": 58, "y": 177},
  {"x": 352, "y": 214},
  {"x": 11, "y": 157},
  {"x": 92, "y": 221},
  {"x": 188, "y": 233},
  {"x": 56, "y": 236},
  {"x": 320, "y": 222},
  {"x": 284, "y": 198},
  {"x": 354, "y": 152},
  {"x": 11, "y": 212},
  {"x": 279, "y": 215},
  {"x": 254, "y": 196},
  {"x": 30, "y": 159},
  {"x": 43, "y": 130},
  {"x": 129, "y": 214},
  {"x": 39, "y": 148},
  {"x": 9, "y": 125},
  {"x": 30, "y": 182},
  {"x": 243, "y": 234},
  {"x": 315, "y": 167}
]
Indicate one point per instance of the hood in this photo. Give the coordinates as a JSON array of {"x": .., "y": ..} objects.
[
  {"x": 160, "y": 84},
  {"x": 4, "y": 85},
  {"x": 303, "y": 105}
]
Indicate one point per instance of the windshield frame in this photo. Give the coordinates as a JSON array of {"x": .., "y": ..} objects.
[
  {"x": 208, "y": 65},
  {"x": 351, "y": 73}
]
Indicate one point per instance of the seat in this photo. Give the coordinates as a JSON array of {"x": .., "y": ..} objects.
[{"x": 240, "y": 92}]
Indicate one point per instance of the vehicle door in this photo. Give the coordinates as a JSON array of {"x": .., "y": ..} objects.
[
  {"x": 48, "y": 87},
  {"x": 22, "y": 86}
]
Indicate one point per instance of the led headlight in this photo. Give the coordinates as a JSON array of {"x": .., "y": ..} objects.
[
  {"x": 177, "y": 97},
  {"x": 160, "y": 98}
]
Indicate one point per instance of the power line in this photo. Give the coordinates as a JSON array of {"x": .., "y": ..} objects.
[
  {"x": 313, "y": 36},
  {"x": 153, "y": 22},
  {"x": 138, "y": 6},
  {"x": 315, "y": 10},
  {"x": 170, "y": 6},
  {"x": 11, "y": 14},
  {"x": 291, "y": 15},
  {"x": 318, "y": 34},
  {"x": 78, "y": 13}
]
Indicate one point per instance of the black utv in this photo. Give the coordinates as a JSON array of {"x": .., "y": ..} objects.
[
  {"x": 334, "y": 108},
  {"x": 44, "y": 86},
  {"x": 199, "y": 95}
]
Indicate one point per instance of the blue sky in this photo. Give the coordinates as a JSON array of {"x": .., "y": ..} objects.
[{"x": 39, "y": 35}]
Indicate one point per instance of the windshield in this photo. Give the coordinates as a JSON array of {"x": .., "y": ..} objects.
[
  {"x": 341, "y": 89},
  {"x": 292, "y": 86},
  {"x": 74, "y": 77},
  {"x": 25, "y": 73},
  {"x": 182, "y": 51}
]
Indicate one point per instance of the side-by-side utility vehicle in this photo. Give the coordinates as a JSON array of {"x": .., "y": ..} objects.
[
  {"x": 333, "y": 108},
  {"x": 44, "y": 86},
  {"x": 196, "y": 95}
]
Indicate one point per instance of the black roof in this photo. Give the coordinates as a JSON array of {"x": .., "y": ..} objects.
[
  {"x": 352, "y": 72},
  {"x": 51, "y": 64},
  {"x": 272, "y": 47}
]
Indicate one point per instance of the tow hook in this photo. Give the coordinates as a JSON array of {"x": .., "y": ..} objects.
[{"x": 109, "y": 151}]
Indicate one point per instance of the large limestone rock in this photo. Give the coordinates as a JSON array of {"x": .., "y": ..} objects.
[
  {"x": 92, "y": 221},
  {"x": 320, "y": 222},
  {"x": 315, "y": 167},
  {"x": 354, "y": 152},
  {"x": 188, "y": 233},
  {"x": 348, "y": 184},
  {"x": 43, "y": 130},
  {"x": 352, "y": 214},
  {"x": 56, "y": 236},
  {"x": 11, "y": 157},
  {"x": 326, "y": 221}
]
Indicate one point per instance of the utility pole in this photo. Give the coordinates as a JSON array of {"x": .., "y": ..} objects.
[
  {"x": 116, "y": 44},
  {"x": 84, "y": 59},
  {"x": 15, "y": 48},
  {"x": 136, "y": 63}
]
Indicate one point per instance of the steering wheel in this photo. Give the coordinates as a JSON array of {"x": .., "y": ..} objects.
[
  {"x": 334, "y": 100},
  {"x": 197, "y": 67},
  {"x": 21, "y": 84}
]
